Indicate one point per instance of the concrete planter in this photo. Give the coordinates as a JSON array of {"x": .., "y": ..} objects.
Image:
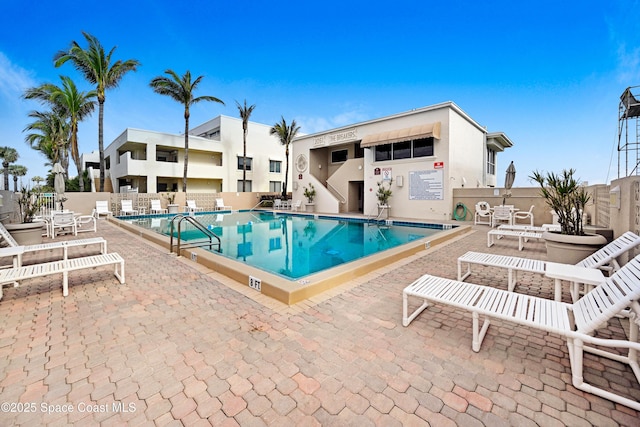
[
  {"x": 172, "y": 208},
  {"x": 27, "y": 233},
  {"x": 568, "y": 249},
  {"x": 309, "y": 207}
]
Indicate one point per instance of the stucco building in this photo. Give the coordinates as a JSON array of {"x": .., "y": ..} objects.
[
  {"x": 421, "y": 155},
  {"x": 150, "y": 162}
]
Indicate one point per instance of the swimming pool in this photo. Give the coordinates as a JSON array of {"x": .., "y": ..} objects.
[{"x": 294, "y": 246}]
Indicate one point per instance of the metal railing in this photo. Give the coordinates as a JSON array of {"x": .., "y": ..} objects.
[{"x": 210, "y": 235}]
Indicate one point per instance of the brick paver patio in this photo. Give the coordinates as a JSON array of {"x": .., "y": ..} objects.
[{"x": 179, "y": 345}]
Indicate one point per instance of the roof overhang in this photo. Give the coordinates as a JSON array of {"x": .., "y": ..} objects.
[
  {"x": 498, "y": 141},
  {"x": 405, "y": 134}
]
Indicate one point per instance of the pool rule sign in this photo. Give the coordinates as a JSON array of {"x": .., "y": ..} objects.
[{"x": 426, "y": 185}]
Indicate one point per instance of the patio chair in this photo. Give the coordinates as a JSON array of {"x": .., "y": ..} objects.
[
  {"x": 577, "y": 322},
  {"x": 526, "y": 215},
  {"x": 63, "y": 221},
  {"x": 191, "y": 206},
  {"x": 604, "y": 258},
  {"x": 126, "y": 208},
  {"x": 501, "y": 213},
  {"x": 156, "y": 207},
  {"x": 102, "y": 209},
  {"x": 296, "y": 206},
  {"x": 483, "y": 211},
  {"x": 277, "y": 204},
  {"x": 220, "y": 206},
  {"x": 86, "y": 223}
]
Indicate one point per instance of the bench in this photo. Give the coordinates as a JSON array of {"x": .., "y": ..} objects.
[
  {"x": 522, "y": 236},
  {"x": 14, "y": 275}
]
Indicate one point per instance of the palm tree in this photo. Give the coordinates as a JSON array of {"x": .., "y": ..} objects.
[
  {"x": 8, "y": 155},
  {"x": 75, "y": 105},
  {"x": 37, "y": 179},
  {"x": 16, "y": 171},
  {"x": 49, "y": 135},
  {"x": 98, "y": 69},
  {"x": 181, "y": 90},
  {"x": 245, "y": 113},
  {"x": 285, "y": 133}
]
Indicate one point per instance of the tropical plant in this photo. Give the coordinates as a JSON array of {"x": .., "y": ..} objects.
[
  {"x": 8, "y": 156},
  {"x": 98, "y": 68},
  {"x": 181, "y": 90},
  {"x": 245, "y": 113},
  {"x": 74, "y": 105},
  {"x": 286, "y": 134},
  {"x": 17, "y": 171},
  {"x": 48, "y": 133},
  {"x": 384, "y": 193},
  {"x": 170, "y": 196},
  {"x": 310, "y": 193},
  {"x": 29, "y": 202},
  {"x": 565, "y": 195}
]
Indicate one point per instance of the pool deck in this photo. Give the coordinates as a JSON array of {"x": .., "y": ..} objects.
[{"x": 179, "y": 344}]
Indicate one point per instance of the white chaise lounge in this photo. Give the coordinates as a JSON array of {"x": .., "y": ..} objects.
[
  {"x": 220, "y": 206},
  {"x": 523, "y": 236},
  {"x": 64, "y": 267},
  {"x": 576, "y": 322},
  {"x": 604, "y": 258}
]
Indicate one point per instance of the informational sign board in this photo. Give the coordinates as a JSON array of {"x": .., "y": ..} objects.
[
  {"x": 426, "y": 185},
  {"x": 386, "y": 174}
]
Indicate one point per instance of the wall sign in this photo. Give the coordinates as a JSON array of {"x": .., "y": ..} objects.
[
  {"x": 386, "y": 174},
  {"x": 426, "y": 185},
  {"x": 438, "y": 165}
]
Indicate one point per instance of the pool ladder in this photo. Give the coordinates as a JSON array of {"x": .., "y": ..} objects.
[{"x": 210, "y": 235}]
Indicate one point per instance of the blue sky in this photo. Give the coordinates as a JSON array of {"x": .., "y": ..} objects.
[{"x": 549, "y": 74}]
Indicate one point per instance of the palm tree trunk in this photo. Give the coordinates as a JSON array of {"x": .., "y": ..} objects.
[
  {"x": 186, "y": 150},
  {"x": 101, "y": 141},
  {"x": 286, "y": 173},
  {"x": 244, "y": 160}
]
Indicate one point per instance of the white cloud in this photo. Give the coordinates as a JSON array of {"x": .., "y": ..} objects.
[
  {"x": 319, "y": 124},
  {"x": 628, "y": 65},
  {"x": 13, "y": 79}
]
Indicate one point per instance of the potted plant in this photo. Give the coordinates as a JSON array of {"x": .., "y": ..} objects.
[
  {"x": 27, "y": 232},
  {"x": 310, "y": 194},
  {"x": 383, "y": 195},
  {"x": 171, "y": 198},
  {"x": 567, "y": 197}
]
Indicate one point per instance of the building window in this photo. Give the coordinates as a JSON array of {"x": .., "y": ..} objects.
[
  {"x": 275, "y": 166},
  {"x": 167, "y": 156},
  {"x": 339, "y": 156},
  {"x": 383, "y": 152},
  {"x": 491, "y": 162},
  {"x": 423, "y": 147},
  {"x": 404, "y": 150},
  {"x": 247, "y": 187},
  {"x": 275, "y": 186},
  {"x": 248, "y": 161},
  {"x": 358, "y": 151}
]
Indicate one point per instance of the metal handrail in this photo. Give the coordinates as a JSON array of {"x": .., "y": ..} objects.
[
  {"x": 197, "y": 224},
  {"x": 259, "y": 203},
  {"x": 335, "y": 191}
]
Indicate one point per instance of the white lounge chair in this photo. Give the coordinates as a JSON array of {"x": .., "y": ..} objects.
[
  {"x": 296, "y": 206},
  {"x": 86, "y": 223},
  {"x": 277, "y": 203},
  {"x": 483, "y": 211},
  {"x": 102, "y": 209},
  {"x": 18, "y": 274},
  {"x": 191, "y": 206},
  {"x": 523, "y": 236},
  {"x": 524, "y": 215},
  {"x": 577, "y": 322},
  {"x": 604, "y": 258},
  {"x": 220, "y": 206},
  {"x": 156, "y": 207},
  {"x": 63, "y": 221},
  {"x": 126, "y": 208}
]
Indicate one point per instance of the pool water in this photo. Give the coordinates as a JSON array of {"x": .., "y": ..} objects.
[{"x": 293, "y": 246}]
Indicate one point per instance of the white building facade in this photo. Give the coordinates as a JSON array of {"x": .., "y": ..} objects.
[
  {"x": 152, "y": 162},
  {"x": 421, "y": 155}
]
